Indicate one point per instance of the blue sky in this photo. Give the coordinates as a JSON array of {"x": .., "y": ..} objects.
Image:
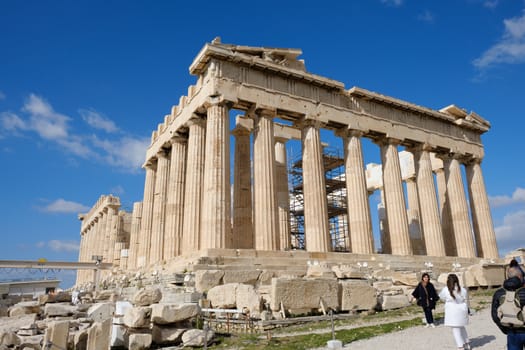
[{"x": 83, "y": 84}]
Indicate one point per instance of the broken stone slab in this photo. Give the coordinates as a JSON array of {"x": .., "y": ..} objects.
[
  {"x": 9, "y": 339},
  {"x": 389, "y": 302},
  {"x": 197, "y": 337},
  {"x": 145, "y": 297},
  {"x": 207, "y": 279},
  {"x": 172, "y": 313},
  {"x": 56, "y": 336},
  {"x": 100, "y": 312},
  {"x": 99, "y": 335},
  {"x": 139, "y": 341},
  {"x": 303, "y": 293},
  {"x": 241, "y": 276},
  {"x": 165, "y": 335},
  {"x": 12, "y": 324},
  {"x": 59, "y": 309},
  {"x": 137, "y": 317},
  {"x": 357, "y": 295}
]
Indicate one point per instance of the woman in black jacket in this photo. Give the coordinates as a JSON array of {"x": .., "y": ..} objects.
[{"x": 426, "y": 297}]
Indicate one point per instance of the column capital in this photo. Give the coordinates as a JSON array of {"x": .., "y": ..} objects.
[
  {"x": 161, "y": 153},
  {"x": 384, "y": 141},
  {"x": 178, "y": 138},
  {"x": 420, "y": 147},
  {"x": 196, "y": 119},
  {"x": 216, "y": 100},
  {"x": 240, "y": 130},
  {"x": 474, "y": 160},
  {"x": 350, "y": 132},
  {"x": 310, "y": 121}
]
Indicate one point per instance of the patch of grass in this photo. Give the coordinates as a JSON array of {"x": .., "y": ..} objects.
[{"x": 308, "y": 341}]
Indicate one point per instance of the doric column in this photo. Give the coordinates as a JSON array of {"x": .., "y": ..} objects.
[
  {"x": 359, "y": 222},
  {"x": 103, "y": 235},
  {"x": 458, "y": 208},
  {"x": 481, "y": 216},
  {"x": 316, "y": 231},
  {"x": 147, "y": 215},
  {"x": 283, "y": 193},
  {"x": 444, "y": 210},
  {"x": 395, "y": 199},
  {"x": 81, "y": 257},
  {"x": 193, "y": 189},
  {"x": 242, "y": 191},
  {"x": 117, "y": 237},
  {"x": 175, "y": 200},
  {"x": 265, "y": 195},
  {"x": 159, "y": 208},
  {"x": 215, "y": 218},
  {"x": 428, "y": 205},
  {"x": 386, "y": 247},
  {"x": 110, "y": 233},
  {"x": 134, "y": 241},
  {"x": 413, "y": 217}
]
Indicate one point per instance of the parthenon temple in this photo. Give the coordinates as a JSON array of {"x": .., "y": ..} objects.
[{"x": 248, "y": 104}]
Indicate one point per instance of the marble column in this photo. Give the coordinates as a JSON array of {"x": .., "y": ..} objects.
[
  {"x": 81, "y": 257},
  {"x": 115, "y": 231},
  {"x": 215, "y": 218},
  {"x": 428, "y": 205},
  {"x": 458, "y": 208},
  {"x": 110, "y": 233},
  {"x": 242, "y": 191},
  {"x": 386, "y": 247},
  {"x": 316, "y": 230},
  {"x": 414, "y": 217},
  {"x": 175, "y": 199},
  {"x": 134, "y": 241},
  {"x": 481, "y": 216},
  {"x": 147, "y": 215},
  {"x": 159, "y": 208},
  {"x": 264, "y": 184},
  {"x": 444, "y": 209},
  {"x": 283, "y": 193},
  {"x": 194, "y": 184},
  {"x": 395, "y": 199},
  {"x": 102, "y": 232},
  {"x": 359, "y": 221}
]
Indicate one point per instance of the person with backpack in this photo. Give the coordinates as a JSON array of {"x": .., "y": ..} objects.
[
  {"x": 456, "y": 310},
  {"x": 507, "y": 309},
  {"x": 426, "y": 297}
]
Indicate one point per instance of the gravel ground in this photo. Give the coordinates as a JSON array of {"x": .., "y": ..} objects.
[{"x": 483, "y": 333}]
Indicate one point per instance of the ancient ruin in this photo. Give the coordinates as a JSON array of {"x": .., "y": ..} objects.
[{"x": 189, "y": 208}]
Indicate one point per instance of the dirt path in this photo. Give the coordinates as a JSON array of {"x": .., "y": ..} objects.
[{"x": 482, "y": 331}]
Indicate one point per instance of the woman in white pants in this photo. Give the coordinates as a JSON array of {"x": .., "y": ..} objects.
[{"x": 456, "y": 310}]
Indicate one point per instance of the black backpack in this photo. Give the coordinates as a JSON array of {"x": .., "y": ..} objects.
[{"x": 510, "y": 311}]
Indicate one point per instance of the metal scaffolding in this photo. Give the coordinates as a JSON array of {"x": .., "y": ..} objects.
[{"x": 333, "y": 164}]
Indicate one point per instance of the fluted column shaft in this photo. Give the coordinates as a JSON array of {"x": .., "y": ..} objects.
[
  {"x": 194, "y": 184},
  {"x": 444, "y": 210},
  {"x": 215, "y": 218},
  {"x": 242, "y": 192},
  {"x": 134, "y": 235},
  {"x": 459, "y": 209},
  {"x": 147, "y": 216},
  {"x": 395, "y": 199},
  {"x": 283, "y": 193},
  {"x": 103, "y": 235},
  {"x": 265, "y": 195},
  {"x": 481, "y": 216},
  {"x": 175, "y": 199},
  {"x": 316, "y": 230},
  {"x": 111, "y": 233},
  {"x": 359, "y": 221},
  {"x": 159, "y": 208},
  {"x": 428, "y": 205},
  {"x": 115, "y": 247}
]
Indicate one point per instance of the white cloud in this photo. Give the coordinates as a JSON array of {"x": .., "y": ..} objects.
[
  {"x": 510, "y": 48},
  {"x": 98, "y": 121},
  {"x": 44, "y": 120},
  {"x": 62, "y": 206},
  {"x": 118, "y": 190},
  {"x": 517, "y": 197},
  {"x": 395, "y": 3},
  {"x": 509, "y": 234},
  {"x": 491, "y": 4},
  {"x": 63, "y": 246},
  {"x": 11, "y": 122},
  {"x": 126, "y": 152},
  {"x": 426, "y": 16}
]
